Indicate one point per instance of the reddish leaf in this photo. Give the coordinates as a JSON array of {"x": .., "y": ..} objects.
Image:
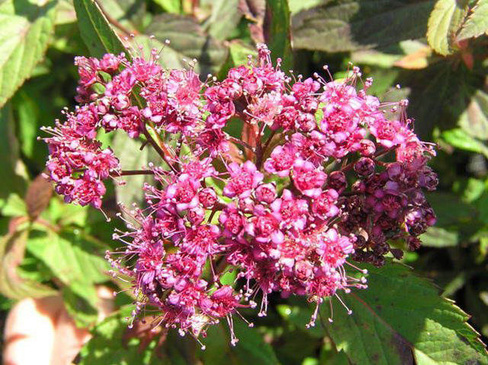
[{"x": 38, "y": 196}]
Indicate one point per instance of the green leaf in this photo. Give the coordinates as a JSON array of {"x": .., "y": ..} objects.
[
  {"x": 278, "y": 33},
  {"x": 25, "y": 29},
  {"x": 127, "y": 150},
  {"x": 129, "y": 13},
  {"x": 188, "y": 41},
  {"x": 460, "y": 139},
  {"x": 401, "y": 317},
  {"x": 110, "y": 344},
  {"x": 224, "y": 19},
  {"x": 13, "y": 285},
  {"x": 251, "y": 348},
  {"x": 444, "y": 21},
  {"x": 10, "y": 161},
  {"x": 95, "y": 30},
  {"x": 71, "y": 257},
  {"x": 82, "y": 308},
  {"x": 170, "y": 6},
  {"x": 474, "y": 120},
  {"x": 440, "y": 237},
  {"x": 477, "y": 22},
  {"x": 347, "y": 25}
]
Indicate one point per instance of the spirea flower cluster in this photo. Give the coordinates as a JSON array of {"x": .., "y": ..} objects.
[{"x": 322, "y": 174}]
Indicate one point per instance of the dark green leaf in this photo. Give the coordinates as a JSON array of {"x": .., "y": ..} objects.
[
  {"x": 444, "y": 21},
  {"x": 251, "y": 348},
  {"x": 348, "y": 25},
  {"x": 25, "y": 29},
  {"x": 111, "y": 344},
  {"x": 95, "y": 30},
  {"x": 401, "y": 317},
  {"x": 277, "y": 31}
]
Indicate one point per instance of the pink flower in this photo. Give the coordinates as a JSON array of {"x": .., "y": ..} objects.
[
  {"x": 307, "y": 179},
  {"x": 243, "y": 179}
]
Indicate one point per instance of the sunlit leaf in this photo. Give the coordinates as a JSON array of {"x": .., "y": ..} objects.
[
  {"x": 477, "y": 22},
  {"x": 25, "y": 29},
  {"x": 95, "y": 30},
  {"x": 444, "y": 22}
]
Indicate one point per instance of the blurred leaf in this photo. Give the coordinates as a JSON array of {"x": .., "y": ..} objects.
[
  {"x": 439, "y": 237},
  {"x": 110, "y": 345},
  {"x": 82, "y": 308},
  {"x": 444, "y": 21},
  {"x": 38, "y": 196},
  {"x": 460, "y": 139},
  {"x": 348, "y": 25},
  {"x": 14, "y": 206},
  {"x": 127, "y": 150},
  {"x": 170, "y": 6},
  {"x": 188, "y": 41},
  {"x": 72, "y": 258},
  {"x": 27, "y": 116},
  {"x": 277, "y": 31},
  {"x": 251, "y": 348},
  {"x": 9, "y": 157},
  {"x": 25, "y": 29},
  {"x": 401, "y": 317},
  {"x": 477, "y": 22},
  {"x": 12, "y": 285},
  {"x": 65, "y": 13},
  {"x": 474, "y": 120},
  {"x": 129, "y": 13},
  {"x": 417, "y": 60},
  {"x": 451, "y": 210},
  {"x": 224, "y": 18},
  {"x": 95, "y": 30}
]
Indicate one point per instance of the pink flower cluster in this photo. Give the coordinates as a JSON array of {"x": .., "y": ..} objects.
[{"x": 319, "y": 175}]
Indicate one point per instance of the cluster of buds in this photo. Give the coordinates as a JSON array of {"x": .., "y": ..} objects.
[{"x": 322, "y": 173}]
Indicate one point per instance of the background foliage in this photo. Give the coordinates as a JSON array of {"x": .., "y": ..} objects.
[{"x": 436, "y": 50}]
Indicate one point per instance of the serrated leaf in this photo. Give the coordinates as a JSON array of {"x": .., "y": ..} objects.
[
  {"x": 400, "y": 317},
  {"x": 188, "y": 41},
  {"x": 348, "y": 25},
  {"x": 95, "y": 30},
  {"x": 72, "y": 258},
  {"x": 444, "y": 21},
  {"x": 477, "y": 22},
  {"x": 25, "y": 30},
  {"x": 12, "y": 285}
]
